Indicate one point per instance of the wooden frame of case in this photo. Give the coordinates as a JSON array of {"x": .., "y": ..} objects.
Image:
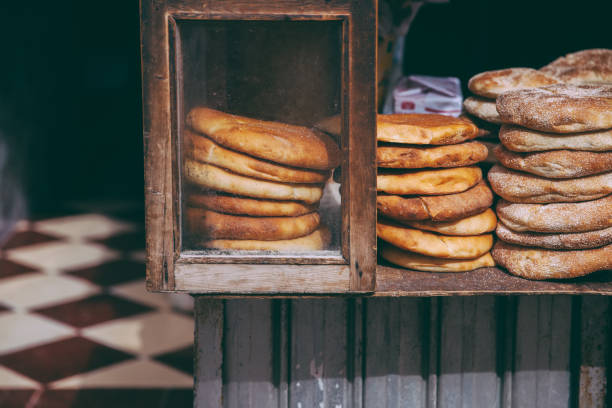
[{"x": 169, "y": 269}]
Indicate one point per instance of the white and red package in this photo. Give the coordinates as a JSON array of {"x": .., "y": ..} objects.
[{"x": 428, "y": 94}]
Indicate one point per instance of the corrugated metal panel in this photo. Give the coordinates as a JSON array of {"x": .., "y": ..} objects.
[{"x": 527, "y": 351}]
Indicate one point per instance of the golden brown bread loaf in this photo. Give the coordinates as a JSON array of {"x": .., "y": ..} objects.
[
  {"x": 430, "y": 244},
  {"x": 575, "y": 240},
  {"x": 436, "y": 208},
  {"x": 457, "y": 155},
  {"x": 416, "y": 128},
  {"x": 556, "y": 163},
  {"x": 291, "y": 145},
  {"x": 586, "y": 66},
  {"x": 317, "y": 240},
  {"x": 534, "y": 263},
  {"x": 214, "y": 225},
  {"x": 520, "y": 187},
  {"x": 491, "y": 84},
  {"x": 472, "y": 225},
  {"x": 561, "y": 108},
  {"x": 482, "y": 108},
  {"x": 220, "y": 202},
  {"x": 215, "y": 178},
  {"x": 428, "y": 182},
  {"x": 424, "y": 263},
  {"x": 557, "y": 217},
  {"x": 519, "y": 139},
  {"x": 203, "y": 149}
]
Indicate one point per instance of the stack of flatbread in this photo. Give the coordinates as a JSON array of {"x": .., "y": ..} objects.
[
  {"x": 555, "y": 177},
  {"x": 255, "y": 185},
  {"x": 433, "y": 205}
]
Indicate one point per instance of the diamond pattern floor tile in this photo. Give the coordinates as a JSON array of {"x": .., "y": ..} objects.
[
  {"x": 24, "y": 238},
  {"x": 132, "y": 374},
  {"x": 86, "y": 226},
  {"x": 10, "y": 379},
  {"x": 147, "y": 334},
  {"x": 114, "y": 398},
  {"x": 15, "y": 398},
  {"x": 136, "y": 291},
  {"x": 112, "y": 273},
  {"x": 20, "y": 331},
  {"x": 61, "y": 359},
  {"x": 38, "y": 290},
  {"x": 61, "y": 255},
  {"x": 93, "y": 310},
  {"x": 181, "y": 359},
  {"x": 8, "y": 269},
  {"x": 129, "y": 241}
]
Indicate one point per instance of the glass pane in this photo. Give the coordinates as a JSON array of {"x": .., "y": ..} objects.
[{"x": 259, "y": 106}]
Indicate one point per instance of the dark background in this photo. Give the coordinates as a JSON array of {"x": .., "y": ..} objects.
[{"x": 70, "y": 79}]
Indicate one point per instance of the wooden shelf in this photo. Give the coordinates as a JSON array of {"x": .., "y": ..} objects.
[{"x": 391, "y": 281}]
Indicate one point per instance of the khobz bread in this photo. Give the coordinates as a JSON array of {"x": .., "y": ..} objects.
[
  {"x": 560, "y": 108},
  {"x": 424, "y": 129},
  {"x": 586, "y": 66},
  {"x": 457, "y": 155},
  {"x": 317, "y": 240},
  {"x": 482, "y": 108},
  {"x": 519, "y": 139},
  {"x": 535, "y": 263},
  {"x": 556, "y": 163},
  {"x": 428, "y": 182},
  {"x": 473, "y": 225},
  {"x": 290, "y": 145},
  {"x": 436, "y": 208},
  {"x": 221, "y": 202},
  {"x": 575, "y": 240},
  {"x": 491, "y": 84},
  {"x": 520, "y": 187},
  {"x": 424, "y": 263}
]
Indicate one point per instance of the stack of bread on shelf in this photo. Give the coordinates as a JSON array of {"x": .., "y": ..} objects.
[
  {"x": 253, "y": 184},
  {"x": 555, "y": 172},
  {"x": 433, "y": 204}
]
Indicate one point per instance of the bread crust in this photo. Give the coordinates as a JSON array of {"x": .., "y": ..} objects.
[
  {"x": 436, "y": 208},
  {"x": 558, "y": 217},
  {"x": 560, "y": 108},
  {"x": 430, "y": 244},
  {"x": 520, "y": 187},
  {"x": 317, "y": 240},
  {"x": 215, "y": 178},
  {"x": 249, "y": 206},
  {"x": 214, "y": 225},
  {"x": 482, "y": 108},
  {"x": 291, "y": 145},
  {"x": 416, "y": 128},
  {"x": 576, "y": 240},
  {"x": 560, "y": 164},
  {"x": 491, "y": 84},
  {"x": 538, "y": 264},
  {"x": 472, "y": 225},
  {"x": 519, "y": 139},
  {"x": 462, "y": 154},
  {"x": 428, "y": 182},
  {"x": 424, "y": 263},
  {"x": 586, "y": 66},
  {"x": 202, "y": 149}
]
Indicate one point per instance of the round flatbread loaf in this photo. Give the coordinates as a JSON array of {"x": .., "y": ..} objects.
[
  {"x": 436, "y": 208},
  {"x": 473, "y": 225},
  {"x": 295, "y": 146},
  {"x": 482, "y": 108},
  {"x": 427, "y": 243},
  {"x": 228, "y": 204},
  {"x": 428, "y": 182},
  {"x": 556, "y": 163},
  {"x": 214, "y": 225},
  {"x": 203, "y": 149},
  {"x": 491, "y": 146},
  {"x": 424, "y": 263},
  {"x": 520, "y": 187},
  {"x": 586, "y": 66},
  {"x": 538, "y": 264},
  {"x": 215, "y": 178},
  {"x": 520, "y": 139},
  {"x": 556, "y": 218},
  {"x": 318, "y": 240},
  {"x": 401, "y": 157},
  {"x": 576, "y": 240},
  {"x": 428, "y": 129},
  {"x": 491, "y": 84},
  {"x": 560, "y": 108}
]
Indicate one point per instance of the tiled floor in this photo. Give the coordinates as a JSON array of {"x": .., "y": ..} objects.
[{"x": 78, "y": 329}]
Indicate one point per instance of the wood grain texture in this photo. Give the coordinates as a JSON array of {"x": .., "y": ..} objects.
[{"x": 208, "y": 389}]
